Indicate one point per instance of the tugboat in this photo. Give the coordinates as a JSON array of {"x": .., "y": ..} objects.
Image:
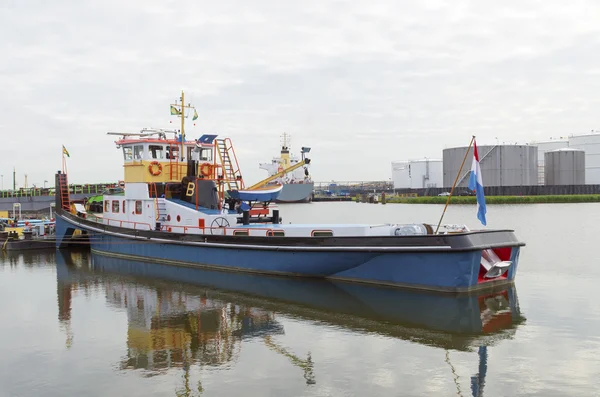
[
  {"x": 297, "y": 185},
  {"x": 185, "y": 204}
]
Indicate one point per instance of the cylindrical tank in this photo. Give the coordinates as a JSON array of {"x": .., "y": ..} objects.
[
  {"x": 547, "y": 146},
  {"x": 564, "y": 167},
  {"x": 501, "y": 165},
  {"x": 590, "y": 144},
  {"x": 417, "y": 174}
]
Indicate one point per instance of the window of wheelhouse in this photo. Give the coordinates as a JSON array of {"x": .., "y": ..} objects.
[
  {"x": 157, "y": 152},
  {"x": 172, "y": 152},
  {"x": 127, "y": 153},
  {"x": 106, "y": 205},
  {"x": 138, "y": 207},
  {"x": 115, "y": 206},
  {"x": 206, "y": 154},
  {"x": 138, "y": 152}
]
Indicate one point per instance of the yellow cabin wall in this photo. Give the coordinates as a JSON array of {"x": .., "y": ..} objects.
[
  {"x": 285, "y": 160},
  {"x": 138, "y": 171}
]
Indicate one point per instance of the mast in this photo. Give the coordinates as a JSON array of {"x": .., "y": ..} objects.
[
  {"x": 183, "y": 106},
  {"x": 182, "y": 124}
]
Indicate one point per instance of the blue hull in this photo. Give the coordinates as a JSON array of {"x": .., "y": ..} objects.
[{"x": 445, "y": 271}]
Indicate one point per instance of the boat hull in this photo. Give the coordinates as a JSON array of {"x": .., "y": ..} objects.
[
  {"x": 296, "y": 193},
  {"x": 426, "y": 267}
]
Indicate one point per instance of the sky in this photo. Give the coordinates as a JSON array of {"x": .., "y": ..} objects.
[{"x": 363, "y": 83}]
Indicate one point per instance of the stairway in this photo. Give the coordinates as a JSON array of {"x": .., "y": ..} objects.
[
  {"x": 63, "y": 191},
  {"x": 230, "y": 167}
]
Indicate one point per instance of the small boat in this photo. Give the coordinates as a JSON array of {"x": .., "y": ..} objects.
[
  {"x": 185, "y": 203},
  {"x": 266, "y": 193}
]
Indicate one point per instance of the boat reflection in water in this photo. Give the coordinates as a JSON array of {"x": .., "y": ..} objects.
[{"x": 181, "y": 316}]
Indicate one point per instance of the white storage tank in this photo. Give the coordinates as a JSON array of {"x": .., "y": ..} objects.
[
  {"x": 426, "y": 173},
  {"x": 400, "y": 174},
  {"x": 417, "y": 174},
  {"x": 565, "y": 167},
  {"x": 547, "y": 146},
  {"x": 590, "y": 144},
  {"x": 501, "y": 165}
]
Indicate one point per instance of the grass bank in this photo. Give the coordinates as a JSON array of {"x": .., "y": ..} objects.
[{"x": 580, "y": 198}]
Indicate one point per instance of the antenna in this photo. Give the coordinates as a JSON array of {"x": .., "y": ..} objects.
[{"x": 285, "y": 140}]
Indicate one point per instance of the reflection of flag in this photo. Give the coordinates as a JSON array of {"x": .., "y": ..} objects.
[
  {"x": 476, "y": 184},
  {"x": 174, "y": 110},
  {"x": 195, "y": 115},
  {"x": 65, "y": 151}
]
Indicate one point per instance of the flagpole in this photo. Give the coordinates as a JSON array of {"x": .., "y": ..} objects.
[{"x": 454, "y": 185}]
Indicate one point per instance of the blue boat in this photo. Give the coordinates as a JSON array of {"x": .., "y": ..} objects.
[{"x": 178, "y": 209}]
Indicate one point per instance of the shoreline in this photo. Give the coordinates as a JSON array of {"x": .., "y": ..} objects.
[{"x": 580, "y": 198}]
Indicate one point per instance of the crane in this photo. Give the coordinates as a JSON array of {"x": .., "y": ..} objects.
[{"x": 279, "y": 174}]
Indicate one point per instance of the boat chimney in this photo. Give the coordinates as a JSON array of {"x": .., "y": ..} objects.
[{"x": 192, "y": 168}]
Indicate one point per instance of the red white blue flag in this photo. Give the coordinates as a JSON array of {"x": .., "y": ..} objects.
[{"x": 476, "y": 184}]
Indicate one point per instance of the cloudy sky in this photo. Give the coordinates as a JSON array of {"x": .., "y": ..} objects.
[{"x": 362, "y": 83}]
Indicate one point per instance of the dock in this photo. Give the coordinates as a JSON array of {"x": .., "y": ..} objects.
[
  {"x": 12, "y": 242},
  {"x": 331, "y": 198}
]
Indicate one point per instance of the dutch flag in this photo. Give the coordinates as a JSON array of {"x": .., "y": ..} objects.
[{"x": 476, "y": 184}]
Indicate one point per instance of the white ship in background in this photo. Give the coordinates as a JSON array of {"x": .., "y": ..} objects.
[{"x": 297, "y": 185}]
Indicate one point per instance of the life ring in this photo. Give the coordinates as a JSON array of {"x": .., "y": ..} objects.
[
  {"x": 280, "y": 168},
  {"x": 155, "y": 171},
  {"x": 206, "y": 169}
]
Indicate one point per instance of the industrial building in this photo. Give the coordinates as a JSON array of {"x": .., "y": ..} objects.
[
  {"x": 566, "y": 161},
  {"x": 417, "y": 174},
  {"x": 590, "y": 144},
  {"x": 501, "y": 165}
]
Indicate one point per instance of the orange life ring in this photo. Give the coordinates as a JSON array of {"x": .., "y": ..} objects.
[
  {"x": 206, "y": 169},
  {"x": 155, "y": 171}
]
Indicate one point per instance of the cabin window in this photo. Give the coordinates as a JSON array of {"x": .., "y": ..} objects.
[
  {"x": 106, "y": 206},
  {"x": 124, "y": 211},
  {"x": 115, "y": 206},
  {"x": 138, "y": 152},
  {"x": 138, "y": 207},
  {"x": 240, "y": 233},
  {"x": 322, "y": 233},
  {"x": 205, "y": 154},
  {"x": 275, "y": 233},
  {"x": 157, "y": 152},
  {"x": 127, "y": 153}
]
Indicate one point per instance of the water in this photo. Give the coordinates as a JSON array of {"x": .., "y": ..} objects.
[{"x": 76, "y": 324}]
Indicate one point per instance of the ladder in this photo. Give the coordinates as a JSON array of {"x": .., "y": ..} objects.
[
  {"x": 229, "y": 164},
  {"x": 63, "y": 188},
  {"x": 160, "y": 207},
  {"x": 161, "y": 210}
]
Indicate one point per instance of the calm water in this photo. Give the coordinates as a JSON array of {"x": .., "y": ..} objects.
[{"x": 76, "y": 324}]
